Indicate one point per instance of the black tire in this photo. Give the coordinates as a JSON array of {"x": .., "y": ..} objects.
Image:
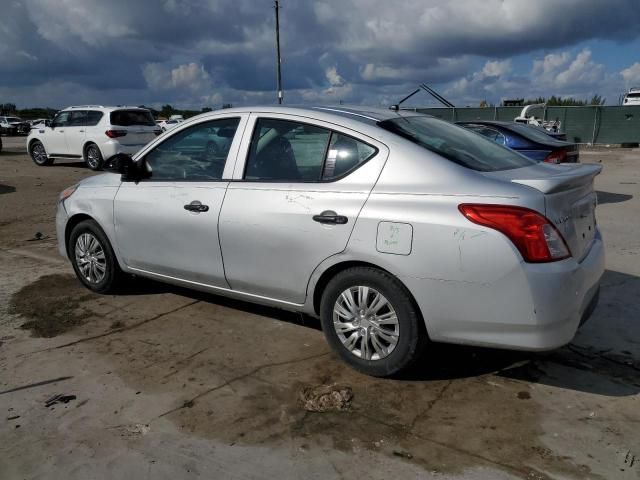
[
  {"x": 38, "y": 154},
  {"x": 411, "y": 334},
  {"x": 93, "y": 157},
  {"x": 113, "y": 275}
]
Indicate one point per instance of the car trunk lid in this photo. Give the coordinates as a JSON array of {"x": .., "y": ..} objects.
[{"x": 569, "y": 198}]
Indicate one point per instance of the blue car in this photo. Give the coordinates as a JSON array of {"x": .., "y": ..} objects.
[{"x": 528, "y": 140}]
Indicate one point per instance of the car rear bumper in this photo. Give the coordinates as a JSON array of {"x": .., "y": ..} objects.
[
  {"x": 533, "y": 307},
  {"x": 111, "y": 148}
]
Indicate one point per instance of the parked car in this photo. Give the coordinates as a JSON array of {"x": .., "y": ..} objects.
[
  {"x": 632, "y": 97},
  {"x": 168, "y": 124},
  {"x": 14, "y": 126},
  {"x": 395, "y": 228},
  {"x": 526, "y": 139},
  {"x": 91, "y": 133}
]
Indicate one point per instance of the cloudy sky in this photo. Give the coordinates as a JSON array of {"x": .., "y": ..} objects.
[{"x": 195, "y": 53}]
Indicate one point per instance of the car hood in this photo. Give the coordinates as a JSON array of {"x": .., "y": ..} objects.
[{"x": 102, "y": 180}]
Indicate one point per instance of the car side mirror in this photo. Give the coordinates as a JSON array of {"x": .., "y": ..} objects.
[{"x": 123, "y": 164}]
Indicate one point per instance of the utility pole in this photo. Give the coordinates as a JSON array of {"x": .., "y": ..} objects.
[{"x": 280, "y": 92}]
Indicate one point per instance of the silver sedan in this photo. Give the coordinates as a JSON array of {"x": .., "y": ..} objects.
[{"x": 395, "y": 228}]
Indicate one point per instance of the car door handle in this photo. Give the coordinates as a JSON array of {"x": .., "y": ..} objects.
[
  {"x": 81, "y": 131},
  {"x": 196, "y": 206},
  {"x": 330, "y": 217}
]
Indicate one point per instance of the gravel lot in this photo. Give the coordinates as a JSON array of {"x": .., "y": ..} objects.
[{"x": 166, "y": 383}]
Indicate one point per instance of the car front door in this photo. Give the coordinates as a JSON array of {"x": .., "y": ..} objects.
[
  {"x": 55, "y": 142},
  {"x": 74, "y": 132},
  {"x": 167, "y": 225},
  {"x": 294, "y": 202}
]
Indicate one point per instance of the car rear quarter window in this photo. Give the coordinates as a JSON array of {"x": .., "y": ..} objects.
[
  {"x": 128, "y": 118},
  {"x": 344, "y": 155},
  {"x": 456, "y": 143}
]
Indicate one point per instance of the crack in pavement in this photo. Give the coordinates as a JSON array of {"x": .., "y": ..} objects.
[
  {"x": 110, "y": 332},
  {"x": 430, "y": 405},
  {"x": 183, "y": 363},
  {"x": 477, "y": 456},
  {"x": 189, "y": 403}
]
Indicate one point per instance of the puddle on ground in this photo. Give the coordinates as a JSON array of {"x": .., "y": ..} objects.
[{"x": 51, "y": 305}]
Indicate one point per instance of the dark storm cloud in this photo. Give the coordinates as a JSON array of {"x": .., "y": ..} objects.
[{"x": 166, "y": 46}]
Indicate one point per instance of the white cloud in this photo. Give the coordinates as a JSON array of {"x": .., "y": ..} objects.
[
  {"x": 496, "y": 68},
  {"x": 631, "y": 75},
  {"x": 333, "y": 76},
  {"x": 190, "y": 76}
]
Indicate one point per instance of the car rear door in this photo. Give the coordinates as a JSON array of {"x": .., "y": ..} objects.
[
  {"x": 299, "y": 185},
  {"x": 167, "y": 225}
]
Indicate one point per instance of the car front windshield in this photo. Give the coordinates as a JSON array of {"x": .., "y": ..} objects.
[{"x": 456, "y": 144}]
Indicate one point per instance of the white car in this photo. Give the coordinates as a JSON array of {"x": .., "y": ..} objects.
[
  {"x": 168, "y": 124},
  {"x": 92, "y": 133},
  {"x": 14, "y": 126}
]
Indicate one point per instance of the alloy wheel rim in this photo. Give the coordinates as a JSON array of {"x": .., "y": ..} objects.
[
  {"x": 90, "y": 258},
  {"x": 39, "y": 155},
  {"x": 366, "y": 323},
  {"x": 92, "y": 157}
]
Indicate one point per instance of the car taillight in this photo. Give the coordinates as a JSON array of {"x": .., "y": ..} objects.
[
  {"x": 558, "y": 156},
  {"x": 115, "y": 133},
  {"x": 534, "y": 236}
]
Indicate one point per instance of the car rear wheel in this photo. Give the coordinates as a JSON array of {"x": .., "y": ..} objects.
[
  {"x": 93, "y": 157},
  {"x": 93, "y": 259},
  {"x": 370, "y": 320},
  {"x": 39, "y": 154}
]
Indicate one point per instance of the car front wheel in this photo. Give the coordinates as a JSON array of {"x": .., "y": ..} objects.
[
  {"x": 39, "y": 154},
  {"x": 370, "y": 320},
  {"x": 92, "y": 258}
]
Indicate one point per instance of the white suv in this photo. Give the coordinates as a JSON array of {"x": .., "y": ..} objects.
[{"x": 92, "y": 133}]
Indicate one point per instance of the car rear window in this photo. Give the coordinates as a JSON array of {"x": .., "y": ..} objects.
[
  {"x": 456, "y": 144},
  {"x": 531, "y": 133},
  {"x": 126, "y": 118}
]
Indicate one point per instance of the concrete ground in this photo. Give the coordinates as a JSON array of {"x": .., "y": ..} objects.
[{"x": 162, "y": 382}]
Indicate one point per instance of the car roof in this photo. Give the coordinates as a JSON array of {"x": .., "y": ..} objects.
[
  {"x": 102, "y": 107},
  {"x": 360, "y": 114}
]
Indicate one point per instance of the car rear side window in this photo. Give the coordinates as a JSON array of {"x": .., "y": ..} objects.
[
  {"x": 456, "y": 144},
  {"x": 93, "y": 118},
  {"x": 287, "y": 151},
  {"x": 127, "y": 118},
  {"x": 78, "y": 118}
]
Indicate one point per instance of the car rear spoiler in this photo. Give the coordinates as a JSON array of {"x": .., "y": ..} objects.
[{"x": 574, "y": 176}]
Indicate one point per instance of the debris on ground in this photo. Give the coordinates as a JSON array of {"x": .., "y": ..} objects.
[
  {"x": 38, "y": 236},
  {"x": 324, "y": 398},
  {"x": 58, "y": 399},
  {"x": 134, "y": 430},
  {"x": 402, "y": 454}
]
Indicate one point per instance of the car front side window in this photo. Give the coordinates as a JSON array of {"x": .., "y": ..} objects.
[
  {"x": 195, "y": 153},
  {"x": 61, "y": 120}
]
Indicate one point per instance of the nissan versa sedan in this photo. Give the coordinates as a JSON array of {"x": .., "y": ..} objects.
[{"x": 396, "y": 229}]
